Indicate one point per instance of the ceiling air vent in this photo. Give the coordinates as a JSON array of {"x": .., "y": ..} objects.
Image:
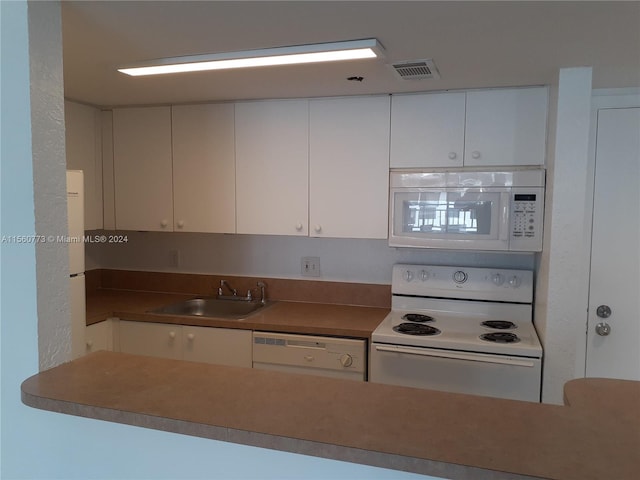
[{"x": 416, "y": 70}]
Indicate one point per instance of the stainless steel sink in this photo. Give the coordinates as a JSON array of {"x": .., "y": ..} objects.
[{"x": 212, "y": 307}]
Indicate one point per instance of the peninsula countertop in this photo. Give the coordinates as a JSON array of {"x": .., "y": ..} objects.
[{"x": 596, "y": 436}]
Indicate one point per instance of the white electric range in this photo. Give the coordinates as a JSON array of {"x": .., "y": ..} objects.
[{"x": 459, "y": 329}]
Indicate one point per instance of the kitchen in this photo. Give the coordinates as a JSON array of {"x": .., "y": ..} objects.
[{"x": 345, "y": 248}]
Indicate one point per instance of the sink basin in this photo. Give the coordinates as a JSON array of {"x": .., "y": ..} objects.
[{"x": 211, "y": 307}]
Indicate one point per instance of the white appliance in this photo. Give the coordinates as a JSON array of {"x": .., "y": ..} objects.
[
  {"x": 313, "y": 355},
  {"x": 458, "y": 329},
  {"x": 77, "y": 302},
  {"x": 467, "y": 209}
]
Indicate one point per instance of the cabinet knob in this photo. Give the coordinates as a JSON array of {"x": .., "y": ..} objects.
[
  {"x": 475, "y": 154},
  {"x": 299, "y": 227},
  {"x": 172, "y": 334},
  {"x": 190, "y": 337},
  {"x": 453, "y": 155},
  {"x": 318, "y": 228},
  {"x": 164, "y": 223},
  {"x": 180, "y": 223},
  {"x": 89, "y": 343}
]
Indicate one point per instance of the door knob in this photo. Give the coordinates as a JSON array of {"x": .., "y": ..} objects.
[
  {"x": 603, "y": 311},
  {"x": 603, "y": 329}
]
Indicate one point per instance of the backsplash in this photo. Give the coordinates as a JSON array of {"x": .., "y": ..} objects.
[
  {"x": 369, "y": 295},
  {"x": 267, "y": 256}
]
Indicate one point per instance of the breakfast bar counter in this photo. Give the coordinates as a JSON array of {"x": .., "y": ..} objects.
[{"x": 595, "y": 436}]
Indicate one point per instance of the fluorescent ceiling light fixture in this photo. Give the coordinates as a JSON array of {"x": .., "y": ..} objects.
[{"x": 299, "y": 54}]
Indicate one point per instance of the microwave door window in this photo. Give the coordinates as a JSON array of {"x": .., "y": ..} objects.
[
  {"x": 473, "y": 213},
  {"x": 424, "y": 213}
]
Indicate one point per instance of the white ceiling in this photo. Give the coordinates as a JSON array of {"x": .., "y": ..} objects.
[{"x": 474, "y": 44}]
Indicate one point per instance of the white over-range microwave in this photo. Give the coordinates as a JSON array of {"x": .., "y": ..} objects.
[{"x": 499, "y": 210}]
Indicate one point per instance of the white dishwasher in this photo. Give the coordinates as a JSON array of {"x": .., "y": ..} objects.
[{"x": 309, "y": 354}]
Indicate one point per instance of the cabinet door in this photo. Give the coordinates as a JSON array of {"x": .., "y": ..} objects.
[
  {"x": 99, "y": 336},
  {"x": 204, "y": 168},
  {"x": 427, "y": 130},
  {"x": 349, "y": 167},
  {"x": 84, "y": 152},
  {"x": 221, "y": 346},
  {"x": 151, "y": 339},
  {"x": 142, "y": 168},
  {"x": 272, "y": 165},
  {"x": 506, "y": 127}
]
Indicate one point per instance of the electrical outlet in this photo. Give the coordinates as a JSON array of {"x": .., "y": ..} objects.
[{"x": 311, "y": 266}]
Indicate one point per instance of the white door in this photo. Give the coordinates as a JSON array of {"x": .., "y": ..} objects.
[{"x": 613, "y": 338}]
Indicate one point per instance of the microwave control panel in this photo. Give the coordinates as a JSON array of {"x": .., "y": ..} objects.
[{"x": 526, "y": 219}]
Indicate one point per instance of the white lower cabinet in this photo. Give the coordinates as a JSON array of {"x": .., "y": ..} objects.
[
  {"x": 151, "y": 339},
  {"x": 220, "y": 346},
  {"x": 99, "y": 336}
]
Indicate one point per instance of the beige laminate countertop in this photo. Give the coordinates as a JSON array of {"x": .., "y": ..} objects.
[
  {"x": 597, "y": 436},
  {"x": 292, "y": 317}
]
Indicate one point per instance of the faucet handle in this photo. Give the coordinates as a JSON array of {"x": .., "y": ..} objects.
[{"x": 263, "y": 296}]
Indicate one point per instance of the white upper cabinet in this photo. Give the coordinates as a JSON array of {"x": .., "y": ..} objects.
[
  {"x": 483, "y": 128},
  {"x": 506, "y": 127},
  {"x": 143, "y": 168},
  {"x": 204, "y": 168},
  {"x": 84, "y": 152},
  {"x": 349, "y": 167},
  {"x": 272, "y": 167},
  {"x": 427, "y": 130}
]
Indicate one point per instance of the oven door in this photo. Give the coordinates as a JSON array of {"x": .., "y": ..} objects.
[
  {"x": 458, "y": 218},
  {"x": 515, "y": 378}
]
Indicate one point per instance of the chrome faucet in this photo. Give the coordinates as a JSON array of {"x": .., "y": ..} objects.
[
  {"x": 224, "y": 283},
  {"x": 263, "y": 295},
  {"x": 234, "y": 293}
]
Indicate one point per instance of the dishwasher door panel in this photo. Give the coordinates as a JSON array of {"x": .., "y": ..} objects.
[{"x": 314, "y": 355}]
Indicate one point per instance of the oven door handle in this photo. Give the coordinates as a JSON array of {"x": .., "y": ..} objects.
[{"x": 488, "y": 358}]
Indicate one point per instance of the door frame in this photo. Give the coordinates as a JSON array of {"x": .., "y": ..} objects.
[{"x": 601, "y": 99}]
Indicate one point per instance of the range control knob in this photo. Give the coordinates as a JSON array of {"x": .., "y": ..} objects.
[
  {"x": 408, "y": 275},
  {"x": 497, "y": 278},
  {"x": 424, "y": 275},
  {"x": 460, "y": 276},
  {"x": 346, "y": 360},
  {"x": 515, "y": 281}
]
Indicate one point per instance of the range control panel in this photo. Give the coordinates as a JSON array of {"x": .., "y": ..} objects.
[{"x": 470, "y": 283}]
